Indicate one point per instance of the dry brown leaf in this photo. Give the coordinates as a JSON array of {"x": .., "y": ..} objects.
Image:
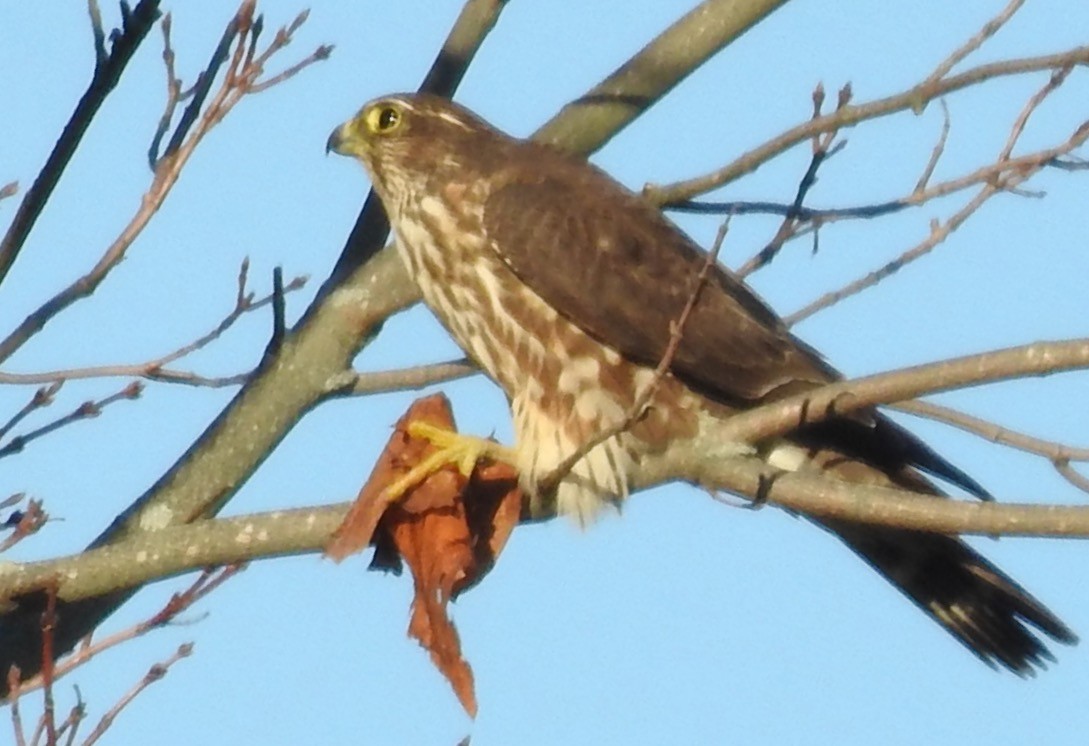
[{"x": 448, "y": 532}]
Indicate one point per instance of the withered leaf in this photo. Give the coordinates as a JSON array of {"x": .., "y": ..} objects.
[{"x": 448, "y": 531}]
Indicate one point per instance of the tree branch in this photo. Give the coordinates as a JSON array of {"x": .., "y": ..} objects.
[
  {"x": 913, "y": 99},
  {"x": 108, "y": 70},
  {"x": 838, "y": 399},
  {"x": 239, "y": 80}
]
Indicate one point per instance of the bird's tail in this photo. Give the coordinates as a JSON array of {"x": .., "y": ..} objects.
[{"x": 982, "y": 607}]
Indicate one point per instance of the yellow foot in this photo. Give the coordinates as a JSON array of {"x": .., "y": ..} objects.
[{"x": 462, "y": 451}]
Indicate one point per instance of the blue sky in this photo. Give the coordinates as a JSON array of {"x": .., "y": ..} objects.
[{"x": 683, "y": 620}]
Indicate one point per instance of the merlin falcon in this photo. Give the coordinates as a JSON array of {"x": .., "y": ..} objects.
[{"x": 565, "y": 288}]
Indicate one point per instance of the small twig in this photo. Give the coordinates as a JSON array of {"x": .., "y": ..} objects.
[
  {"x": 208, "y": 581},
  {"x": 843, "y": 397},
  {"x": 174, "y": 93},
  {"x": 639, "y": 407},
  {"x": 155, "y": 673},
  {"x": 319, "y": 54},
  {"x": 912, "y": 99},
  {"x": 936, "y": 153},
  {"x": 156, "y": 370},
  {"x": 14, "y": 690},
  {"x": 1047, "y": 158},
  {"x": 406, "y": 379},
  {"x": 106, "y": 76},
  {"x": 99, "y": 34},
  {"x": 822, "y": 150},
  {"x": 49, "y": 624},
  {"x": 1004, "y": 180},
  {"x": 84, "y": 411},
  {"x": 43, "y": 397},
  {"x": 24, "y": 523},
  {"x": 200, "y": 92},
  {"x": 1072, "y": 475},
  {"x": 75, "y": 716},
  {"x": 1058, "y": 77},
  {"x": 9, "y": 190},
  {"x": 187, "y": 136},
  {"x": 994, "y": 432},
  {"x": 938, "y": 233},
  {"x": 803, "y": 213},
  {"x": 961, "y": 53},
  {"x": 279, "y": 325}
]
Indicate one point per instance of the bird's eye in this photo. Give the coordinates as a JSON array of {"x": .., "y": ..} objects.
[{"x": 384, "y": 119}]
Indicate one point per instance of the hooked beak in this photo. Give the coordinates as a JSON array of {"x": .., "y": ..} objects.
[{"x": 335, "y": 141}]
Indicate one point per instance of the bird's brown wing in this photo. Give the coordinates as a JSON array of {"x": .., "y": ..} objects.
[{"x": 621, "y": 272}]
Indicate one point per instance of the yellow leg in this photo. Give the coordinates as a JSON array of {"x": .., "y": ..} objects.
[{"x": 454, "y": 448}]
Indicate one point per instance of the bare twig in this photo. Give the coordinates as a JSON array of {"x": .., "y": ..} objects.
[
  {"x": 48, "y": 674},
  {"x": 43, "y": 397},
  {"x": 207, "y": 582},
  {"x": 9, "y": 190},
  {"x": 71, "y": 724},
  {"x": 24, "y": 523},
  {"x": 319, "y": 54},
  {"x": 936, "y": 153},
  {"x": 174, "y": 93},
  {"x": 1004, "y": 179},
  {"x": 14, "y": 690},
  {"x": 83, "y": 411},
  {"x": 822, "y": 150},
  {"x": 1071, "y": 475},
  {"x": 238, "y": 81},
  {"x": 990, "y": 28},
  {"x": 994, "y": 432},
  {"x": 107, "y": 73},
  {"x": 406, "y": 379},
  {"x": 98, "y": 32},
  {"x": 912, "y": 99},
  {"x": 156, "y": 369},
  {"x": 155, "y": 673},
  {"x": 938, "y": 233}
]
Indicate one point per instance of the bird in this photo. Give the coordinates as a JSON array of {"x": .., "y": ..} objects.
[{"x": 565, "y": 288}]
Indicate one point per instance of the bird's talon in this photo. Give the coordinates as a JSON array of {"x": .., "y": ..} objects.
[{"x": 451, "y": 448}]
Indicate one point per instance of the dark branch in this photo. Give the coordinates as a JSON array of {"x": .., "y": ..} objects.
[{"x": 106, "y": 75}]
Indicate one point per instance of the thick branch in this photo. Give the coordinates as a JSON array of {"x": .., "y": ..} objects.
[
  {"x": 817, "y": 496},
  {"x": 157, "y": 555},
  {"x": 591, "y": 120}
]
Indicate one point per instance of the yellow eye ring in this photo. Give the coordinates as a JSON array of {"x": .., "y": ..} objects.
[{"x": 384, "y": 118}]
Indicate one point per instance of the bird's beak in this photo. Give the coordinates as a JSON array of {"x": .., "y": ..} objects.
[{"x": 335, "y": 142}]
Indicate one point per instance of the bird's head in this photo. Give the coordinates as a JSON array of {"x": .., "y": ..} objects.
[{"x": 405, "y": 138}]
